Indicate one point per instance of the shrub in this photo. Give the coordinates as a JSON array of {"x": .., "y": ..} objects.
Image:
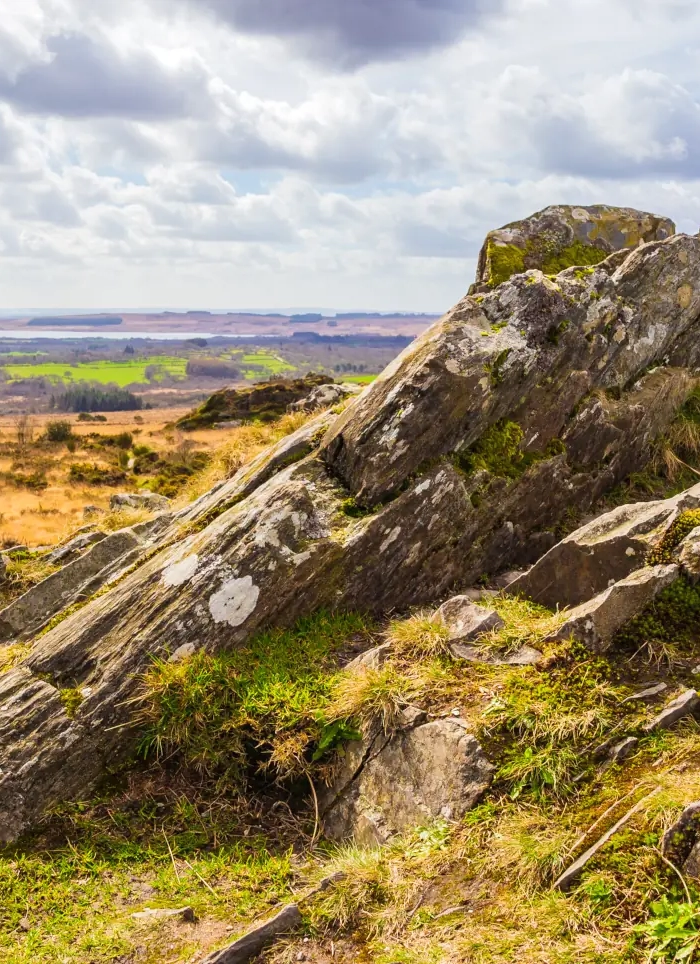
[
  {"x": 89, "y": 474},
  {"x": 60, "y": 431}
]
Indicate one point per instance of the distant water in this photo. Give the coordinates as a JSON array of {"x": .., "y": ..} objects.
[{"x": 30, "y": 334}]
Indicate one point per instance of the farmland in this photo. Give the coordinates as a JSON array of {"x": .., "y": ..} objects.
[{"x": 105, "y": 372}]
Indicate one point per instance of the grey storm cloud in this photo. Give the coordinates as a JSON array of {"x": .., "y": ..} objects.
[
  {"x": 349, "y": 33},
  {"x": 87, "y": 78}
]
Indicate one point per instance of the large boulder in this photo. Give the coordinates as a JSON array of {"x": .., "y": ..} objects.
[
  {"x": 562, "y": 236},
  {"x": 325, "y": 396},
  {"x": 459, "y": 460},
  {"x": 393, "y": 782}
]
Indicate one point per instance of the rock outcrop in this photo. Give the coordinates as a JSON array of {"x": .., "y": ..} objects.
[
  {"x": 602, "y": 552},
  {"x": 262, "y": 402},
  {"x": 562, "y": 236},
  {"x": 325, "y": 396},
  {"x": 514, "y": 409},
  {"x": 393, "y": 782}
]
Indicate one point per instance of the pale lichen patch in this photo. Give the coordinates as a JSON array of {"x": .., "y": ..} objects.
[
  {"x": 181, "y": 572},
  {"x": 235, "y": 601}
]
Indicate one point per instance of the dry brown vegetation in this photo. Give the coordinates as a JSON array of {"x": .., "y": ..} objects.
[{"x": 40, "y": 503}]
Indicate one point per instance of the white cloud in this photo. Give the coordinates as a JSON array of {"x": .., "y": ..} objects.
[{"x": 151, "y": 154}]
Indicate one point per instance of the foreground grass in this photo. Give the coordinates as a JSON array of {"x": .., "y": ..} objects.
[{"x": 68, "y": 894}]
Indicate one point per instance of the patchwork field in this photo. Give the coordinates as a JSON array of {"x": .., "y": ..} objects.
[{"x": 107, "y": 372}]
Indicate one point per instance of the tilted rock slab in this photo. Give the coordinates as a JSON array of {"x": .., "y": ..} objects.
[
  {"x": 554, "y": 238},
  {"x": 275, "y": 543},
  {"x": 594, "y": 623},
  {"x": 602, "y": 552},
  {"x": 394, "y": 782}
]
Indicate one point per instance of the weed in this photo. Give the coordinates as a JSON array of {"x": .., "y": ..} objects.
[{"x": 672, "y": 932}]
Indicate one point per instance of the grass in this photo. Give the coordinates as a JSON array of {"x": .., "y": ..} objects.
[
  {"x": 107, "y": 372},
  {"x": 259, "y": 707},
  {"x": 67, "y": 894},
  {"x": 358, "y": 379},
  {"x": 22, "y": 573},
  {"x": 243, "y": 444}
]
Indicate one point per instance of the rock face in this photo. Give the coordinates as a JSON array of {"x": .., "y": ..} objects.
[
  {"x": 681, "y": 842},
  {"x": 325, "y": 396},
  {"x": 263, "y": 402},
  {"x": 606, "y": 550},
  {"x": 391, "y": 783},
  {"x": 562, "y": 236},
  {"x": 594, "y": 623},
  {"x": 77, "y": 580},
  {"x": 139, "y": 500},
  {"x": 459, "y": 460}
]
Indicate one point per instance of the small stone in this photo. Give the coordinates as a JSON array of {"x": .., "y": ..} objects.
[
  {"x": 372, "y": 659},
  {"x": 465, "y": 620},
  {"x": 505, "y": 579},
  {"x": 92, "y": 511},
  {"x": 184, "y": 913},
  {"x": 684, "y": 705},
  {"x": 139, "y": 500},
  {"x": 24, "y": 924},
  {"x": 621, "y": 751},
  {"x": 647, "y": 693}
]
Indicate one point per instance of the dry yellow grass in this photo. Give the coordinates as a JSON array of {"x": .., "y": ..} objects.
[{"x": 36, "y": 518}]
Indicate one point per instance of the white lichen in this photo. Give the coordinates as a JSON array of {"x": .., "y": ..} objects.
[
  {"x": 235, "y": 601},
  {"x": 181, "y": 572}
]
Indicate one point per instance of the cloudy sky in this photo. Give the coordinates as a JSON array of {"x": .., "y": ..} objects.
[{"x": 335, "y": 153}]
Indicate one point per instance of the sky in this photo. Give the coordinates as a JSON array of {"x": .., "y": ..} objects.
[{"x": 346, "y": 154}]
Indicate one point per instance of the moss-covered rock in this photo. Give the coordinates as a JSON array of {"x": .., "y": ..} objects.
[
  {"x": 563, "y": 236},
  {"x": 263, "y": 402}
]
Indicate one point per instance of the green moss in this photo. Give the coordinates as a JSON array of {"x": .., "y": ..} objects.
[
  {"x": 684, "y": 524},
  {"x": 494, "y": 369},
  {"x": 575, "y": 254},
  {"x": 499, "y": 452},
  {"x": 504, "y": 260},
  {"x": 71, "y": 699},
  {"x": 351, "y": 507},
  {"x": 556, "y": 331},
  {"x": 673, "y": 618}
]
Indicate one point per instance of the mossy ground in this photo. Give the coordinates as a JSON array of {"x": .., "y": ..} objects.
[{"x": 189, "y": 831}]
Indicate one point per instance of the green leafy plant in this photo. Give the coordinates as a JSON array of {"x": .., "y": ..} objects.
[{"x": 672, "y": 932}]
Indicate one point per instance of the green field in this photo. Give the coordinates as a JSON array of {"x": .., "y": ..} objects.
[
  {"x": 358, "y": 379},
  {"x": 271, "y": 363},
  {"x": 121, "y": 373}
]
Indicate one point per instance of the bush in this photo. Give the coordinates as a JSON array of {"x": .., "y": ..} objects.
[
  {"x": 61, "y": 431},
  {"x": 89, "y": 474}
]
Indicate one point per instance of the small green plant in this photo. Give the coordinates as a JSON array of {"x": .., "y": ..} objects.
[
  {"x": 72, "y": 700},
  {"x": 351, "y": 507},
  {"x": 672, "y": 932}
]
